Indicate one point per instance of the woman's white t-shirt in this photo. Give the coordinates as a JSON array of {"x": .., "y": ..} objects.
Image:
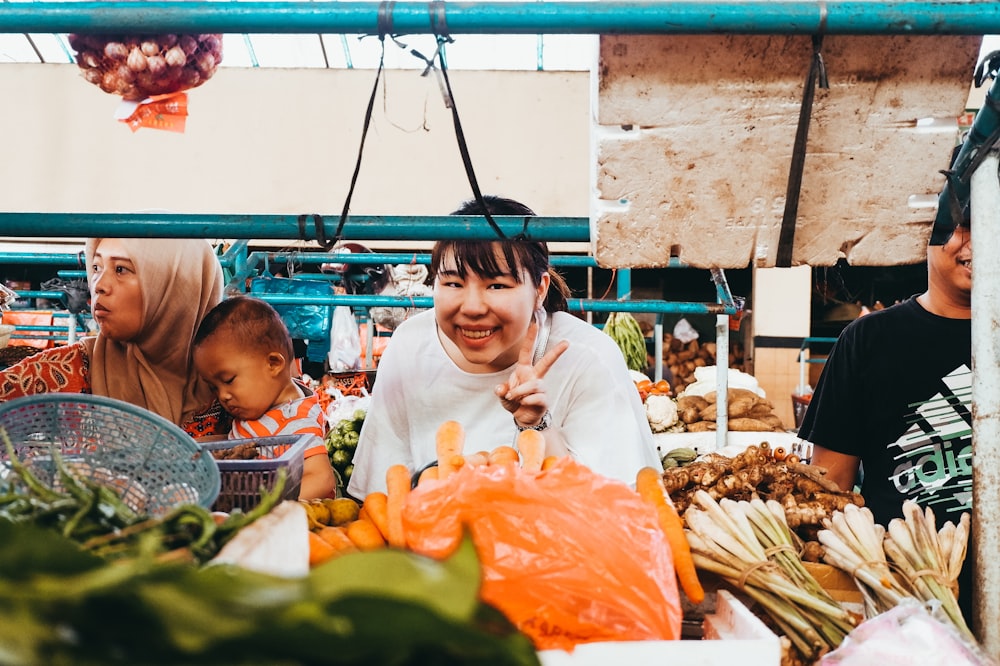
[{"x": 590, "y": 392}]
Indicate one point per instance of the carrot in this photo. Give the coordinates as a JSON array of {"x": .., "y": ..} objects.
[
  {"x": 397, "y": 482},
  {"x": 531, "y": 444},
  {"x": 365, "y": 535},
  {"x": 503, "y": 454},
  {"x": 429, "y": 473},
  {"x": 478, "y": 458},
  {"x": 319, "y": 550},
  {"x": 362, "y": 514},
  {"x": 375, "y": 505},
  {"x": 337, "y": 538},
  {"x": 649, "y": 485},
  {"x": 549, "y": 461},
  {"x": 449, "y": 442}
]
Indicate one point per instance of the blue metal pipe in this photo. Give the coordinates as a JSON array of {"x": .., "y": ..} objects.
[
  {"x": 578, "y": 261},
  {"x": 722, "y": 290},
  {"x": 575, "y": 304},
  {"x": 288, "y": 227},
  {"x": 47, "y": 295},
  {"x": 669, "y": 17},
  {"x": 41, "y": 258},
  {"x": 624, "y": 287}
]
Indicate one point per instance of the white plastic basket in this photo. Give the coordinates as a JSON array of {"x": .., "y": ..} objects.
[{"x": 6, "y": 330}]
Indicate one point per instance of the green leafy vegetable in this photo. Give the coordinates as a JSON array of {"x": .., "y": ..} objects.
[{"x": 388, "y": 608}]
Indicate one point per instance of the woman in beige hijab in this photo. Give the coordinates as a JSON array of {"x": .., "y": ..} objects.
[{"x": 148, "y": 297}]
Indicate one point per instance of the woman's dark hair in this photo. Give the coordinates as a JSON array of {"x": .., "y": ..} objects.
[
  {"x": 249, "y": 323},
  {"x": 480, "y": 256}
]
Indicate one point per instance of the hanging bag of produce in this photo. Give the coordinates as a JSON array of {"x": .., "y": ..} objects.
[
  {"x": 345, "y": 341},
  {"x": 136, "y": 67},
  {"x": 149, "y": 72},
  {"x": 625, "y": 331}
]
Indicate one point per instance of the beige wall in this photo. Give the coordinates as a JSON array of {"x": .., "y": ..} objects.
[
  {"x": 286, "y": 141},
  {"x": 781, "y": 298}
]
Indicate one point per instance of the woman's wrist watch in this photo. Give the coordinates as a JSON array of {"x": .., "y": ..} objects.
[{"x": 541, "y": 425}]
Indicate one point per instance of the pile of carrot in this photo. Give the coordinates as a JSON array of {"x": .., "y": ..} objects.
[{"x": 378, "y": 521}]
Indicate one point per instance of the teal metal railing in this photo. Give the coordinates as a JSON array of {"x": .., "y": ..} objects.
[{"x": 669, "y": 17}]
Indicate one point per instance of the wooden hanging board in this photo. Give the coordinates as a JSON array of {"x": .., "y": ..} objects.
[{"x": 694, "y": 136}]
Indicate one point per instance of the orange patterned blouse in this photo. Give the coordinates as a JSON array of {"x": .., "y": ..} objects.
[{"x": 66, "y": 369}]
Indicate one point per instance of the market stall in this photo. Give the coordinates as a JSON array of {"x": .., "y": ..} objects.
[{"x": 961, "y": 18}]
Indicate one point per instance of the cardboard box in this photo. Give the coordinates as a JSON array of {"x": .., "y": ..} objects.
[{"x": 839, "y": 584}]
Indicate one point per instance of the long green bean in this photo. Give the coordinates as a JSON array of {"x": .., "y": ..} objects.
[{"x": 95, "y": 515}]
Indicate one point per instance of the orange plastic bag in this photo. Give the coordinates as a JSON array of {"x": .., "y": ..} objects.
[
  {"x": 29, "y": 318},
  {"x": 379, "y": 342},
  {"x": 568, "y": 556},
  {"x": 163, "y": 112}
]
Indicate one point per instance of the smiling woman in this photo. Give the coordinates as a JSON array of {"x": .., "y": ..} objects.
[{"x": 499, "y": 354}]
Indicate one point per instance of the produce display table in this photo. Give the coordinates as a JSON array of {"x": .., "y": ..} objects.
[
  {"x": 732, "y": 635},
  {"x": 704, "y": 442}
]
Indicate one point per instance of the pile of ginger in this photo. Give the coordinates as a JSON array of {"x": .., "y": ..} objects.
[{"x": 770, "y": 474}]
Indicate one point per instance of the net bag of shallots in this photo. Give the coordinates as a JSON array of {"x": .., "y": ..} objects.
[{"x": 137, "y": 67}]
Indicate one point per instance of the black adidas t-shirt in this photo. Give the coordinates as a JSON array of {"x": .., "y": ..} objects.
[{"x": 896, "y": 391}]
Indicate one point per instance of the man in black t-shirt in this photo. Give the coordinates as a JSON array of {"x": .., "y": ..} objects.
[{"x": 894, "y": 399}]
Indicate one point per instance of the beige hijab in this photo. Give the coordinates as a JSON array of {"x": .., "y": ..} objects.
[{"x": 180, "y": 280}]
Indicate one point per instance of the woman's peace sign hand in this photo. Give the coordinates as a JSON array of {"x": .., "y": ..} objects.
[{"x": 523, "y": 394}]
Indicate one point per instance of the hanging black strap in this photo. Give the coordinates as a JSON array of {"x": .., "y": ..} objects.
[
  {"x": 384, "y": 26},
  {"x": 987, "y": 68},
  {"x": 319, "y": 230},
  {"x": 460, "y": 135},
  {"x": 817, "y": 74}
]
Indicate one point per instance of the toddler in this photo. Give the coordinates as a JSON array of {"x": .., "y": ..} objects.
[{"x": 243, "y": 351}]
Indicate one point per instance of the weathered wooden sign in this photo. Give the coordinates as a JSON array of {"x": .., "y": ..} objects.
[{"x": 694, "y": 140}]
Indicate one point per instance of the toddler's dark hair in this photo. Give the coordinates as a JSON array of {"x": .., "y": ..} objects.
[{"x": 249, "y": 324}]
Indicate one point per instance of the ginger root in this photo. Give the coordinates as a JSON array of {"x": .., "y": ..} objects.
[{"x": 805, "y": 493}]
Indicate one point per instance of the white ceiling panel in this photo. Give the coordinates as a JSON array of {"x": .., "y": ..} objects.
[{"x": 499, "y": 52}]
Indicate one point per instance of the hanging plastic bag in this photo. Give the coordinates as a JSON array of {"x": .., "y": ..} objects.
[
  {"x": 345, "y": 341},
  {"x": 304, "y": 322},
  {"x": 405, "y": 280},
  {"x": 569, "y": 556},
  {"x": 684, "y": 331},
  {"x": 77, "y": 293}
]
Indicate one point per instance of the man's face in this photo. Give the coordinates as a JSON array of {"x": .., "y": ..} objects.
[{"x": 949, "y": 266}]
